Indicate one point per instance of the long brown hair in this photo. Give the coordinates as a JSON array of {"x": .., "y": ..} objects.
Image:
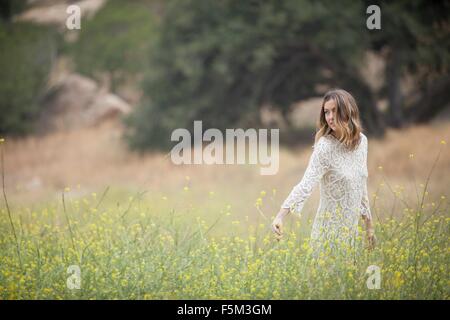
[{"x": 347, "y": 118}]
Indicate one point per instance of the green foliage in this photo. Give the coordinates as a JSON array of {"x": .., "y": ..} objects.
[
  {"x": 417, "y": 32},
  {"x": 144, "y": 248},
  {"x": 219, "y": 61},
  {"x": 424, "y": 30},
  {"x": 115, "y": 42},
  {"x": 8, "y": 8},
  {"x": 26, "y": 53}
]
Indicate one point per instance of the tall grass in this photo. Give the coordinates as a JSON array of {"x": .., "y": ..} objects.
[{"x": 136, "y": 247}]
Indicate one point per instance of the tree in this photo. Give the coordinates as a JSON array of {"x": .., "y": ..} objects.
[
  {"x": 8, "y": 8},
  {"x": 115, "y": 42},
  {"x": 220, "y": 61},
  {"x": 26, "y": 54},
  {"x": 415, "y": 41}
]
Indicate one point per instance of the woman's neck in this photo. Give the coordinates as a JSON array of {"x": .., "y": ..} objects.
[{"x": 334, "y": 134}]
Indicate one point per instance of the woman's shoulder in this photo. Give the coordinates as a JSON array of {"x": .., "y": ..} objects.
[
  {"x": 328, "y": 142},
  {"x": 363, "y": 136},
  {"x": 327, "y": 139},
  {"x": 323, "y": 143}
]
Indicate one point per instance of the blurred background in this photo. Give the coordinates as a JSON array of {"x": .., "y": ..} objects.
[{"x": 94, "y": 108}]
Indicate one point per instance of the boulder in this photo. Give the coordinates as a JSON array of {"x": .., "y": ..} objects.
[{"x": 76, "y": 101}]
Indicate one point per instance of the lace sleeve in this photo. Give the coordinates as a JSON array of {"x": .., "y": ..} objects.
[
  {"x": 317, "y": 167},
  {"x": 365, "y": 205}
]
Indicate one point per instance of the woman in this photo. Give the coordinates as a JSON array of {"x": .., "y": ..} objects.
[{"x": 339, "y": 162}]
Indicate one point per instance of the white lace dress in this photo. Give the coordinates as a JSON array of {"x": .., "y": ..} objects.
[{"x": 343, "y": 191}]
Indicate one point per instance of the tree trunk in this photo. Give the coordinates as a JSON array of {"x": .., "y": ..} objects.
[
  {"x": 395, "y": 97},
  {"x": 436, "y": 97},
  {"x": 371, "y": 117}
]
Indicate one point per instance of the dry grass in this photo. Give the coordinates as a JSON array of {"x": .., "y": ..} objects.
[{"x": 39, "y": 168}]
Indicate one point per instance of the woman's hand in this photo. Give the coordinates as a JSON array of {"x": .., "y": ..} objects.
[
  {"x": 277, "y": 227},
  {"x": 277, "y": 224},
  {"x": 371, "y": 239}
]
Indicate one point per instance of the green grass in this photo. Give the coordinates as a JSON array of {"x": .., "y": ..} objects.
[
  {"x": 141, "y": 248},
  {"x": 185, "y": 245}
]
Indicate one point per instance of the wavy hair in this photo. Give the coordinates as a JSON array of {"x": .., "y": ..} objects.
[{"x": 347, "y": 118}]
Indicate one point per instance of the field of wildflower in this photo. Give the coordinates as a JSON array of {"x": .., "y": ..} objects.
[{"x": 120, "y": 245}]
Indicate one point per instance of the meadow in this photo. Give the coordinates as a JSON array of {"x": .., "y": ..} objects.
[{"x": 204, "y": 233}]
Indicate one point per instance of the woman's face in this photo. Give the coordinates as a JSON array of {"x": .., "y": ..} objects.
[{"x": 330, "y": 110}]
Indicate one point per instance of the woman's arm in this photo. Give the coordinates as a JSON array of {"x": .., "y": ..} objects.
[
  {"x": 317, "y": 166},
  {"x": 365, "y": 206}
]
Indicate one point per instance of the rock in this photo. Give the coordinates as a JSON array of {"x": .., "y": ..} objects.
[
  {"x": 106, "y": 106},
  {"x": 56, "y": 14},
  {"x": 76, "y": 101}
]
